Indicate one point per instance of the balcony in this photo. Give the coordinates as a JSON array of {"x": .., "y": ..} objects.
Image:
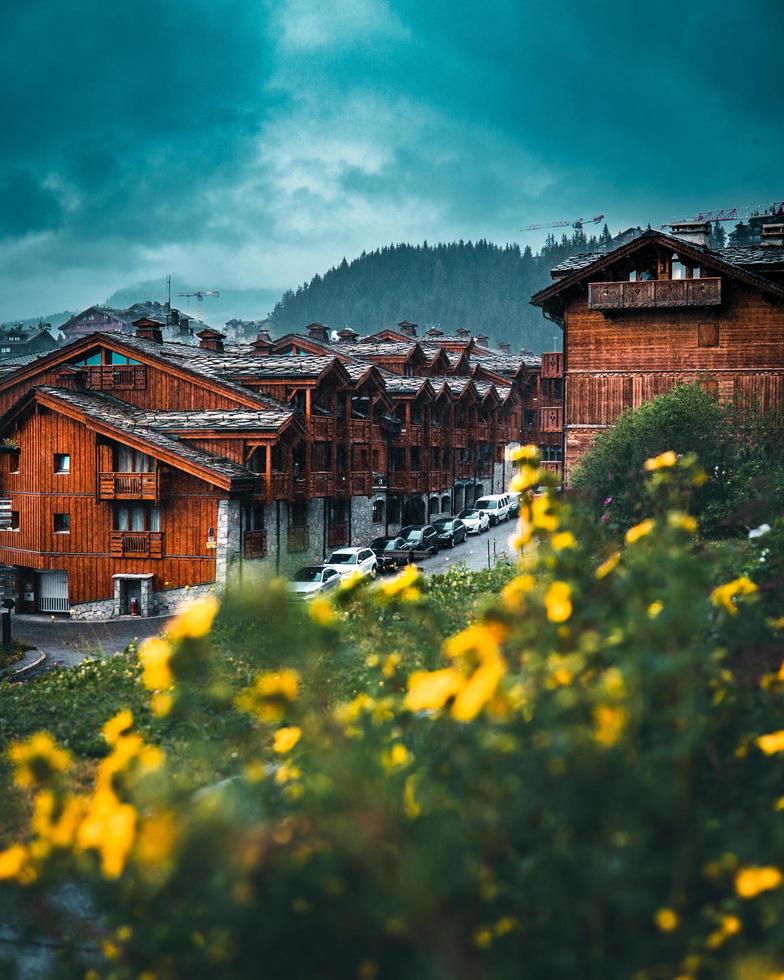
[
  {"x": 137, "y": 544},
  {"x": 322, "y": 484},
  {"x": 337, "y": 535},
  {"x": 550, "y": 466},
  {"x": 280, "y": 486},
  {"x": 459, "y": 437},
  {"x": 551, "y": 419},
  {"x": 322, "y": 429},
  {"x": 482, "y": 431},
  {"x": 129, "y": 486},
  {"x": 361, "y": 430},
  {"x": 552, "y": 362},
  {"x": 654, "y": 294},
  {"x": 298, "y": 539},
  {"x": 361, "y": 484},
  {"x": 436, "y": 480},
  {"x": 117, "y": 377},
  {"x": 254, "y": 543}
]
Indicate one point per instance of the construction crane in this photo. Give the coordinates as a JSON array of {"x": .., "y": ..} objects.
[
  {"x": 578, "y": 224},
  {"x": 199, "y": 295},
  {"x": 776, "y": 209}
]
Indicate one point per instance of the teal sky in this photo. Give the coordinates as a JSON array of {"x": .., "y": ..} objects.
[{"x": 253, "y": 144}]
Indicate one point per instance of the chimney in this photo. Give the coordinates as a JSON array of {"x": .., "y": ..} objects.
[
  {"x": 408, "y": 328},
  {"x": 263, "y": 343},
  {"x": 696, "y": 232},
  {"x": 505, "y": 347},
  {"x": 772, "y": 234},
  {"x": 435, "y": 332},
  {"x": 348, "y": 336},
  {"x": 147, "y": 329},
  {"x": 210, "y": 339},
  {"x": 463, "y": 332},
  {"x": 317, "y": 331},
  {"x": 71, "y": 378},
  {"x": 482, "y": 338}
]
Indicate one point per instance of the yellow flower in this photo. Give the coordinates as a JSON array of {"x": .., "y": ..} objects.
[
  {"x": 640, "y": 530},
  {"x": 12, "y": 862},
  {"x": 286, "y": 738},
  {"x": 116, "y": 726},
  {"x": 514, "y": 591},
  {"x": 478, "y": 690},
  {"x": 37, "y": 759},
  {"x": 608, "y": 565},
  {"x": 730, "y": 925},
  {"x": 525, "y": 478},
  {"x": 542, "y": 516},
  {"x": 411, "y": 807},
  {"x": 666, "y": 920},
  {"x": 558, "y": 602},
  {"x": 655, "y": 608},
  {"x": 662, "y": 461},
  {"x": 402, "y": 582},
  {"x": 321, "y": 612},
  {"x": 109, "y": 827},
  {"x": 396, "y": 757},
  {"x": 156, "y": 838},
  {"x": 750, "y": 882},
  {"x": 391, "y": 664},
  {"x": 483, "y": 938},
  {"x": 478, "y": 642},
  {"x": 286, "y": 773},
  {"x": 56, "y": 832},
  {"x": 563, "y": 540},
  {"x": 524, "y": 452},
  {"x": 154, "y": 655},
  {"x": 351, "y": 582},
  {"x": 723, "y": 595},
  {"x": 609, "y": 723},
  {"x": 269, "y": 695},
  {"x": 161, "y": 703},
  {"x": 431, "y": 689},
  {"x": 682, "y": 522},
  {"x": 193, "y": 621},
  {"x": 772, "y": 743}
]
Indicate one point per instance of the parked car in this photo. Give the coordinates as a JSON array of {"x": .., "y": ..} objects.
[
  {"x": 475, "y": 521},
  {"x": 420, "y": 537},
  {"x": 514, "y": 503},
  {"x": 312, "y": 580},
  {"x": 451, "y": 531},
  {"x": 391, "y": 553},
  {"x": 496, "y": 505},
  {"x": 346, "y": 561}
]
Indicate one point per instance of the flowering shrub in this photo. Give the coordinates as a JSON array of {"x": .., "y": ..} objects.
[{"x": 583, "y": 781}]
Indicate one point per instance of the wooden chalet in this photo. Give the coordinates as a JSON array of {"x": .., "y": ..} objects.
[
  {"x": 138, "y": 470},
  {"x": 660, "y": 310}
]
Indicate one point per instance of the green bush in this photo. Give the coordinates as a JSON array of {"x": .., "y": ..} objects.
[
  {"x": 741, "y": 451},
  {"x": 582, "y": 782}
]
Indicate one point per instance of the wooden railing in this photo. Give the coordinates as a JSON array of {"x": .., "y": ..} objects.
[
  {"x": 552, "y": 364},
  {"x": 482, "y": 431},
  {"x": 361, "y": 483},
  {"x": 551, "y": 419},
  {"x": 322, "y": 484},
  {"x": 436, "y": 479},
  {"x": 117, "y": 377},
  {"x": 337, "y": 535},
  {"x": 550, "y": 466},
  {"x": 254, "y": 543},
  {"x": 322, "y": 428},
  {"x": 137, "y": 544},
  {"x": 360, "y": 430},
  {"x": 653, "y": 293},
  {"x": 280, "y": 486},
  {"x": 298, "y": 539},
  {"x": 129, "y": 486}
]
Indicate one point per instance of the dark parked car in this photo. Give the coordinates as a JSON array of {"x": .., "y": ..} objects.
[
  {"x": 420, "y": 537},
  {"x": 391, "y": 553},
  {"x": 451, "y": 531}
]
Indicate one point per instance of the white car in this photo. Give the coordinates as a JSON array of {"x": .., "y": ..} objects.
[
  {"x": 475, "y": 521},
  {"x": 346, "y": 561},
  {"x": 311, "y": 581},
  {"x": 496, "y": 505}
]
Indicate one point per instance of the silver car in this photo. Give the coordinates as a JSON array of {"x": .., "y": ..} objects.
[{"x": 311, "y": 581}]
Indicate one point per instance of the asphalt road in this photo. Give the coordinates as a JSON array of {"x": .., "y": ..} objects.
[{"x": 474, "y": 553}]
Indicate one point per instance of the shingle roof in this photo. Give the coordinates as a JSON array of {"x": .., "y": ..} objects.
[
  {"x": 227, "y": 420},
  {"x": 741, "y": 255},
  {"x": 136, "y": 422}
]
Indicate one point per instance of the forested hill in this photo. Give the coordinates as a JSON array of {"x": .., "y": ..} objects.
[{"x": 478, "y": 285}]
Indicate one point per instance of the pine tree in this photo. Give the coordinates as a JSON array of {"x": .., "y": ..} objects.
[{"x": 718, "y": 238}]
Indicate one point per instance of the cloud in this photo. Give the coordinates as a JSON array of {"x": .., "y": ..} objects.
[{"x": 306, "y": 25}]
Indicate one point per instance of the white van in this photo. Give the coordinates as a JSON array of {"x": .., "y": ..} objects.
[{"x": 496, "y": 506}]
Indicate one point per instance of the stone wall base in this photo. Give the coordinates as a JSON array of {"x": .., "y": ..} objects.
[{"x": 161, "y": 603}]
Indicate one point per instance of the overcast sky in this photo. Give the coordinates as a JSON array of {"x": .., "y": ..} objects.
[{"x": 243, "y": 143}]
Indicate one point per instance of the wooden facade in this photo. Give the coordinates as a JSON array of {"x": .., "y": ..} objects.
[
  {"x": 130, "y": 458},
  {"x": 660, "y": 311}
]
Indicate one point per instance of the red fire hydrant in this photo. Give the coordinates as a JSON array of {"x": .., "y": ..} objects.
[{"x": 134, "y": 607}]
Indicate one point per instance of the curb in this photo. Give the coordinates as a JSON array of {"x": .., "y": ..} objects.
[{"x": 13, "y": 674}]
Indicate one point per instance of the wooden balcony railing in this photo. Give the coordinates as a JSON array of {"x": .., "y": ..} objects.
[
  {"x": 360, "y": 430},
  {"x": 298, "y": 539},
  {"x": 254, "y": 543},
  {"x": 550, "y": 466},
  {"x": 551, "y": 419},
  {"x": 654, "y": 294},
  {"x": 280, "y": 486},
  {"x": 137, "y": 544},
  {"x": 129, "y": 486},
  {"x": 459, "y": 438},
  {"x": 117, "y": 377},
  {"x": 482, "y": 431},
  {"x": 361, "y": 483},
  {"x": 322, "y": 428},
  {"x": 552, "y": 364},
  {"x": 337, "y": 535},
  {"x": 436, "y": 480},
  {"x": 322, "y": 484}
]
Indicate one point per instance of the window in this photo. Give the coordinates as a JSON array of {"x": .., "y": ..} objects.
[
  {"x": 129, "y": 460},
  {"x": 13, "y": 461},
  {"x": 708, "y": 335},
  {"x": 62, "y": 463},
  {"x": 62, "y": 523},
  {"x": 137, "y": 518},
  {"x": 12, "y": 520},
  {"x": 378, "y": 512},
  {"x": 254, "y": 517}
]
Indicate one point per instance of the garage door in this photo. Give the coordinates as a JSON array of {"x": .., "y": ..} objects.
[{"x": 52, "y": 592}]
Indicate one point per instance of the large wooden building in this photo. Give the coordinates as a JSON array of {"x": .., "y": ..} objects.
[
  {"x": 137, "y": 470},
  {"x": 664, "y": 309}
]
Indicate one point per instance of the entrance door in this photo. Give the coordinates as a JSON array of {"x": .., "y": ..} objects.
[
  {"x": 52, "y": 592},
  {"x": 130, "y": 597}
]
